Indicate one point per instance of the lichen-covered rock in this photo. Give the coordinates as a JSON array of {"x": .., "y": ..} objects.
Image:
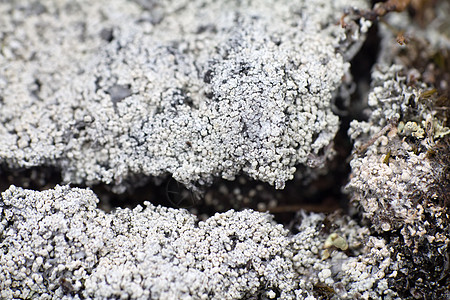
[
  {"x": 400, "y": 177},
  {"x": 57, "y": 245},
  {"x": 195, "y": 89}
]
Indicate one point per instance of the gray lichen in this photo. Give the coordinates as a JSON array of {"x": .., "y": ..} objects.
[
  {"x": 400, "y": 179},
  {"x": 194, "y": 89},
  {"x": 114, "y": 91},
  {"x": 403, "y": 191},
  {"x": 58, "y": 245}
]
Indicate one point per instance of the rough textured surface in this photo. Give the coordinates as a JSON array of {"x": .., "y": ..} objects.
[
  {"x": 400, "y": 180},
  {"x": 391, "y": 170},
  {"x": 112, "y": 91},
  {"x": 195, "y": 89},
  {"x": 56, "y": 244},
  {"x": 401, "y": 185}
]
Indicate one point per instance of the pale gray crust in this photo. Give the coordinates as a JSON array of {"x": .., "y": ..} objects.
[{"x": 192, "y": 89}]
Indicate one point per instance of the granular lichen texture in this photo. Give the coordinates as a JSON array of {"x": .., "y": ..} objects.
[
  {"x": 194, "y": 89},
  {"x": 124, "y": 100},
  {"x": 57, "y": 244}
]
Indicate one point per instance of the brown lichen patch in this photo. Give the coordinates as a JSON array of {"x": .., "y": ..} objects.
[
  {"x": 423, "y": 269},
  {"x": 439, "y": 155}
]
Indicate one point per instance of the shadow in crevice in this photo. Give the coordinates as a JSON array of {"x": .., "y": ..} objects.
[
  {"x": 361, "y": 69},
  {"x": 35, "y": 178},
  {"x": 165, "y": 192}
]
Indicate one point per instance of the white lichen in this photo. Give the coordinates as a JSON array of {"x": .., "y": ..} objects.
[
  {"x": 58, "y": 245},
  {"x": 194, "y": 89}
]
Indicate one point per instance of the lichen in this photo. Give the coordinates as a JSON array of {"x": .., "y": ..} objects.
[
  {"x": 193, "y": 89},
  {"x": 59, "y": 245}
]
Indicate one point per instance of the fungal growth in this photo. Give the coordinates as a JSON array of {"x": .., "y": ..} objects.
[
  {"x": 99, "y": 99},
  {"x": 203, "y": 90},
  {"x": 401, "y": 183},
  {"x": 57, "y": 243}
]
